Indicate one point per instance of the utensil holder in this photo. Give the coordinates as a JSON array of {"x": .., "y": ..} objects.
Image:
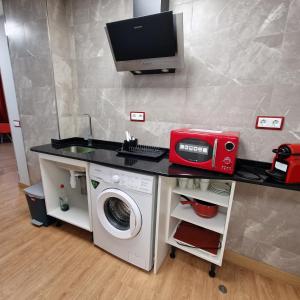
[{"x": 128, "y": 144}]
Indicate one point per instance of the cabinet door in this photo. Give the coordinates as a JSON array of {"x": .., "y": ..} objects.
[{"x": 162, "y": 220}]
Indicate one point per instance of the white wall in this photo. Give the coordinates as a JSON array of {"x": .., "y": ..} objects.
[
  {"x": 27, "y": 34},
  {"x": 1, "y": 8},
  {"x": 11, "y": 103}
]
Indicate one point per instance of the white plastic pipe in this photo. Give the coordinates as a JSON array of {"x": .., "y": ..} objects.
[{"x": 73, "y": 179}]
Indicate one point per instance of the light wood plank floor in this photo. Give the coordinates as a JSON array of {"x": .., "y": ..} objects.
[{"x": 62, "y": 263}]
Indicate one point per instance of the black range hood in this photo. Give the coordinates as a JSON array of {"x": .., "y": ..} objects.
[
  {"x": 145, "y": 37},
  {"x": 147, "y": 44}
]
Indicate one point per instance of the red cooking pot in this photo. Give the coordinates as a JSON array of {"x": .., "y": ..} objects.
[{"x": 201, "y": 208}]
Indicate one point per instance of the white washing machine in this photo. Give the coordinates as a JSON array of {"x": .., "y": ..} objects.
[{"x": 123, "y": 211}]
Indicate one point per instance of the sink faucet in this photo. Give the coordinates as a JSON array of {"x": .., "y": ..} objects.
[{"x": 90, "y": 135}]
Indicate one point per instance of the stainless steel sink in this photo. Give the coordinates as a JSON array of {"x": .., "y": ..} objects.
[{"x": 79, "y": 149}]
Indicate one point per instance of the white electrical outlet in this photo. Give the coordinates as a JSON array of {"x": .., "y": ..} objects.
[
  {"x": 16, "y": 123},
  {"x": 137, "y": 116},
  {"x": 264, "y": 122}
]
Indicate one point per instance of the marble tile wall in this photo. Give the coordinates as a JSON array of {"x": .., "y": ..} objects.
[
  {"x": 63, "y": 55},
  {"x": 265, "y": 225},
  {"x": 26, "y": 25},
  {"x": 242, "y": 60}
]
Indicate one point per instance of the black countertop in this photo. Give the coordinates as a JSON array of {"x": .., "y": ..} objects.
[{"x": 106, "y": 154}]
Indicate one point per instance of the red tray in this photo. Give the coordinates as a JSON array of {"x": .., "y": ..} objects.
[{"x": 198, "y": 237}]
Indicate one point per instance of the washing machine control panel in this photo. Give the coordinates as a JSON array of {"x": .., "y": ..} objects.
[{"x": 134, "y": 181}]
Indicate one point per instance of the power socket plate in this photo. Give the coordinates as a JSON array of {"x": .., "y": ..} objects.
[
  {"x": 269, "y": 122},
  {"x": 137, "y": 116}
]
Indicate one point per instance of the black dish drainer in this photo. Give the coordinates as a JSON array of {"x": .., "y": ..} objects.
[{"x": 132, "y": 148}]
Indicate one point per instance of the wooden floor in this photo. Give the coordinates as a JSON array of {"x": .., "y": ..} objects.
[{"x": 62, "y": 263}]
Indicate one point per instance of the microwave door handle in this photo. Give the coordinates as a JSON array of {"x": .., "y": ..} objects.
[{"x": 213, "y": 163}]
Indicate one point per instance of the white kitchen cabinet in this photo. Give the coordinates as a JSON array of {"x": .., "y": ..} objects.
[
  {"x": 170, "y": 212},
  {"x": 55, "y": 171}
]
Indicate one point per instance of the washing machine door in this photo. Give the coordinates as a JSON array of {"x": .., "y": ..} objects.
[{"x": 119, "y": 214}]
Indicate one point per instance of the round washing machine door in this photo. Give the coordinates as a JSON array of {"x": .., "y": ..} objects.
[{"x": 119, "y": 214}]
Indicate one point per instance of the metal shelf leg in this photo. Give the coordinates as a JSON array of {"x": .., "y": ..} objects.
[
  {"x": 212, "y": 271},
  {"x": 173, "y": 252}
]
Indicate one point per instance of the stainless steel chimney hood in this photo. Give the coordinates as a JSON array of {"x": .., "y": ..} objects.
[
  {"x": 149, "y": 43},
  {"x": 146, "y": 7}
]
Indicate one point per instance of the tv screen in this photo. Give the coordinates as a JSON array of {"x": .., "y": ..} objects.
[{"x": 144, "y": 37}]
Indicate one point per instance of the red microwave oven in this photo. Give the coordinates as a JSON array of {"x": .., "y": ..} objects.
[{"x": 204, "y": 149}]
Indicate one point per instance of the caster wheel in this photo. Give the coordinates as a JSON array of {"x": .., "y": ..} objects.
[
  {"x": 173, "y": 251},
  {"x": 212, "y": 274}
]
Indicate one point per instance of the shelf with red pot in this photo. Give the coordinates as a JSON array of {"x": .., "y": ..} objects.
[{"x": 187, "y": 213}]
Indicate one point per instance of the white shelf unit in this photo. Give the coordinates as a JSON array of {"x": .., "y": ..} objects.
[
  {"x": 170, "y": 212},
  {"x": 55, "y": 171}
]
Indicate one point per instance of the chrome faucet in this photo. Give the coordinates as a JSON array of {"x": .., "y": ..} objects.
[{"x": 90, "y": 135}]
